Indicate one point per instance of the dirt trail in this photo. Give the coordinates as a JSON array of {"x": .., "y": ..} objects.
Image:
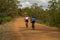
[
  {"x": 41, "y": 32},
  {"x": 19, "y": 23}
]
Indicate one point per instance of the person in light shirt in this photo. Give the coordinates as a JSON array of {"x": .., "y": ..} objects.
[{"x": 26, "y": 21}]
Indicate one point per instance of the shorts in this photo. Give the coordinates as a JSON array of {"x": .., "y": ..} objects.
[
  {"x": 33, "y": 21},
  {"x": 26, "y": 20}
]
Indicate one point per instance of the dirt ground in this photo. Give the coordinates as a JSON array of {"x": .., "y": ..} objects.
[{"x": 18, "y": 31}]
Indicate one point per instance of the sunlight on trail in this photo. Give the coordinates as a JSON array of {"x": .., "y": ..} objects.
[{"x": 18, "y": 23}]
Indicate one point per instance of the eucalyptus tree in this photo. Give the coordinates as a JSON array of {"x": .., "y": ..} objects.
[
  {"x": 53, "y": 14},
  {"x": 8, "y": 7}
]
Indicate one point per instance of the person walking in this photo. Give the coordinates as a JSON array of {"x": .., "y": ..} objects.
[
  {"x": 33, "y": 22},
  {"x": 26, "y": 21}
]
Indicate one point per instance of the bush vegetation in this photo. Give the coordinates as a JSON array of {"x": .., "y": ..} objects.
[{"x": 50, "y": 16}]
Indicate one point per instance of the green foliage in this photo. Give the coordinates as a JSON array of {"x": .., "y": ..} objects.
[
  {"x": 8, "y": 7},
  {"x": 8, "y": 10},
  {"x": 53, "y": 14},
  {"x": 5, "y": 19}
]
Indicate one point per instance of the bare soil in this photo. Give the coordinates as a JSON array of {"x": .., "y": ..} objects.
[{"x": 16, "y": 30}]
